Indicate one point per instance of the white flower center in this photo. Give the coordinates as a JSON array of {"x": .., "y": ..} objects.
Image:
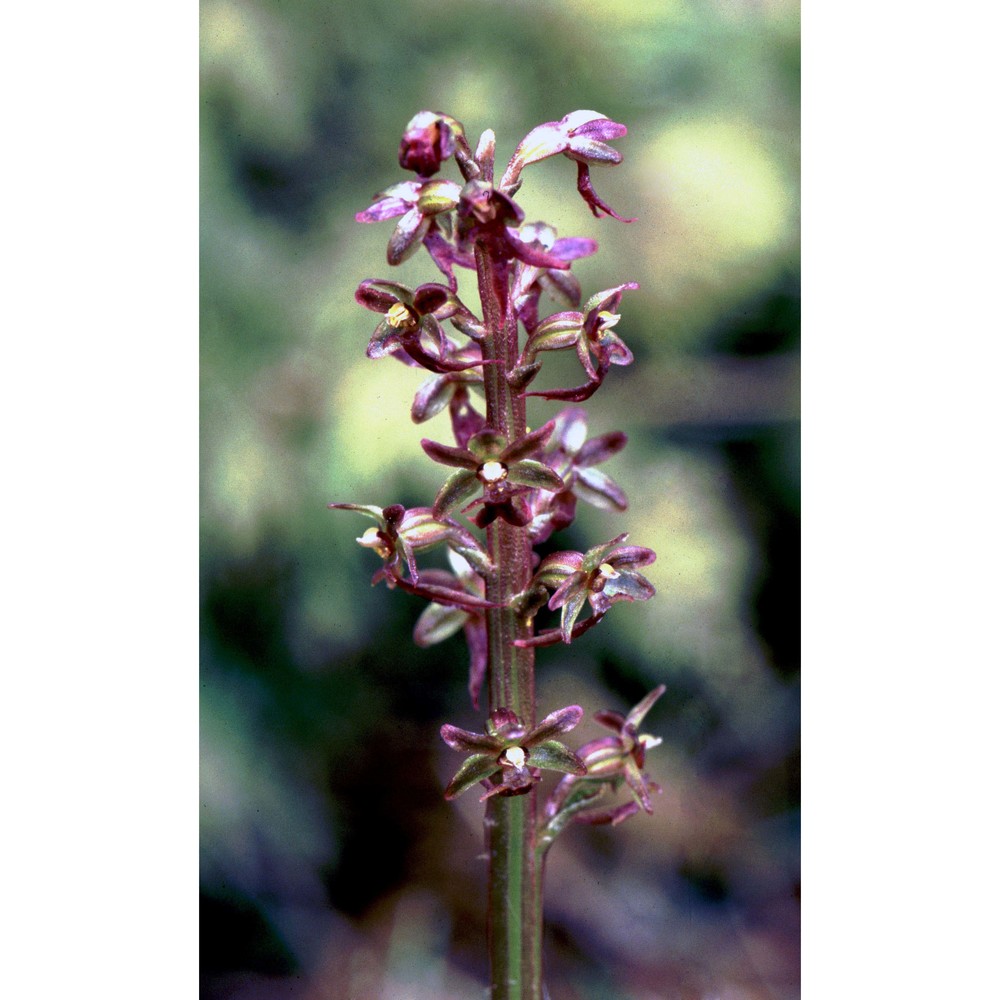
[
  {"x": 492, "y": 472},
  {"x": 608, "y": 571},
  {"x": 371, "y": 540},
  {"x": 515, "y": 756}
]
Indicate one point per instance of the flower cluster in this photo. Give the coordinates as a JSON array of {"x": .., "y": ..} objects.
[{"x": 503, "y": 476}]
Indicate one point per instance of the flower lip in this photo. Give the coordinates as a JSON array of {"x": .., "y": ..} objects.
[{"x": 492, "y": 472}]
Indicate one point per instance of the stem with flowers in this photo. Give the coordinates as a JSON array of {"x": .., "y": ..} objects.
[{"x": 517, "y": 487}]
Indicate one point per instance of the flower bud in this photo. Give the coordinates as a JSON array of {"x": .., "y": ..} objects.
[{"x": 427, "y": 140}]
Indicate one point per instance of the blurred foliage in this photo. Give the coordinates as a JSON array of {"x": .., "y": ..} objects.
[{"x": 332, "y": 867}]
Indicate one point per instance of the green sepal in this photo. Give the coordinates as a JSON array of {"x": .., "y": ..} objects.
[
  {"x": 425, "y": 530},
  {"x": 458, "y": 487},
  {"x": 431, "y": 398},
  {"x": 553, "y": 336},
  {"x": 474, "y": 555},
  {"x": 375, "y": 513},
  {"x": 438, "y": 196},
  {"x": 475, "y": 769},
  {"x": 553, "y": 570},
  {"x": 583, "y": 795},
  {"x": 551, "y": 755},
  {"x": 571, "y": 611},
  {"x": 472, "y": 328},
  {"x": 529, "y": 602},
  {"x": 487, "y": 445},
  {"x": 529, "y": 472},
  {"x": 595, "y": 556},
  {"x": 402, "y": 292},
  {"x": 437, "y": 623}
]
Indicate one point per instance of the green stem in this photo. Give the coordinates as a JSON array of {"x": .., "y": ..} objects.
[{"x": 515, "y": 925}]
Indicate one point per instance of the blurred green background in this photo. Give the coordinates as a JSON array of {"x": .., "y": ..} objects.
[{"x": 331, "y": 866}]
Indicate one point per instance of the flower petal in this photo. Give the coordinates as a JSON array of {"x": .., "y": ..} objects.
[
  {"x": 571, "y": 609},
  {"x": 465, "y": 742},
  {"x": 437, "y": 623},
  {"x": 527, "y": 445},
  {"x": 599, "y": 490},
  {"x": 637, "y": 714},
  {"x": 406, "y": 237},
  {"x": 460, "y": 458},
  {"x": 601, "y": 448},
  {"x": 560, "y": 721},
  {"x": 631, "y": 555},
  {"x": 375, "y": 513}
]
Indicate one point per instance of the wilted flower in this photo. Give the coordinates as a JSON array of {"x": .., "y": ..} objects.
[
  {"x": 512, "y": 752},
  {"x": 429, "y": 138}
]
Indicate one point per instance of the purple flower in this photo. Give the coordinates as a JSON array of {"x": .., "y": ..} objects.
[
  {"x": 603, "y": 576},
  {"x": 504, "y": 472},
  {"x": 422, "y": 208},
  {"x": 530, "y": 281},
  {"x": 582, "y": 136},
  {"x": 488, "y": 217},
  {"x": 508, "y": 758},
  {"x": 572, "y": 456},
  {"x": 591, "y": 332},
  {"x": 398, "y": 534},
  {"x": 409, "y": 316},
  {"x": 610, "y": 760}
]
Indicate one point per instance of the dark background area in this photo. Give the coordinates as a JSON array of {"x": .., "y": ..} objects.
[{"x": 331, "y": 865}]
